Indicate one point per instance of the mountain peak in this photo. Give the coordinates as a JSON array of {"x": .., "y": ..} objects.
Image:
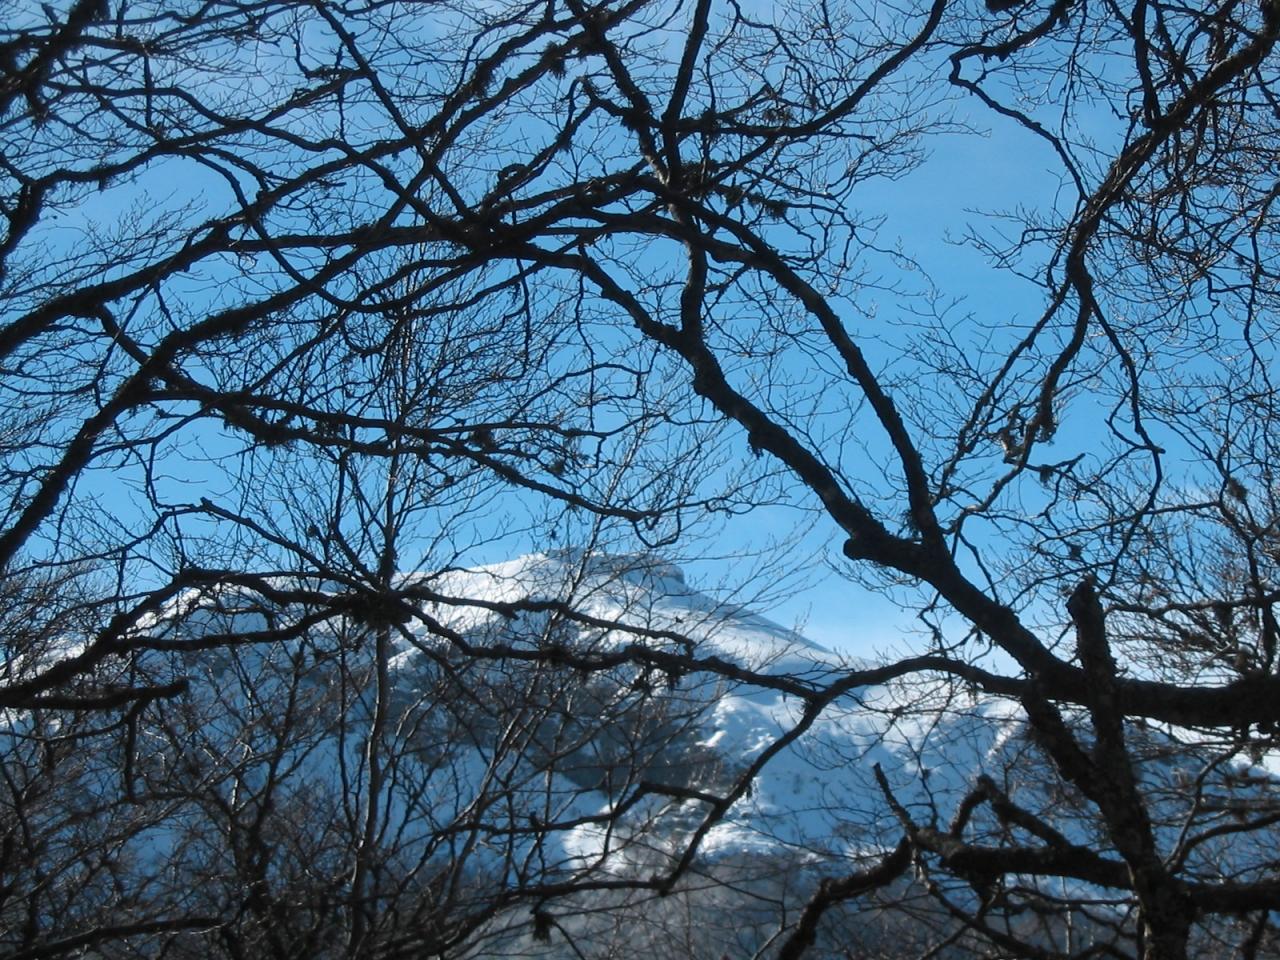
[{"x": 637, "y": 590}]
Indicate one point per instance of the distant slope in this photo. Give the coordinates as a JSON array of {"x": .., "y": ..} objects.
[{"x": 544, "y": 757}]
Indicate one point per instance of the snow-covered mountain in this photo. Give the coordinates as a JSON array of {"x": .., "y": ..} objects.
[
  {"x": 566, "y": 720},
  {"x": 816, "y": 807},
  {"x": 810, "y": 792},
  {"x": 564, "y": 754}
]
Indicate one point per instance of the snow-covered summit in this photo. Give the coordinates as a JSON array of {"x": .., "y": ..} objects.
[
  {"x": 818, "y": 792},
  {"x": 633, "y": 590},
  {"x": 932, "y": 740}
]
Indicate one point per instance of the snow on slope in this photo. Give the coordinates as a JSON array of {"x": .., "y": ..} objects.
[
  {"x": 818, "y": 796},
  {"x": 490, "y": 765}
]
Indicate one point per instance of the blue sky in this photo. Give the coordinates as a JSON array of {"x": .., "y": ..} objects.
[{"x": 926, "y": 212}]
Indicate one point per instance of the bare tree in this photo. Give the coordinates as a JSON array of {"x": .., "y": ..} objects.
[
  {"x": 305, "y": 302},
  {"x": 255, "y": 404},
  {"x": 1030, "y": 472}
]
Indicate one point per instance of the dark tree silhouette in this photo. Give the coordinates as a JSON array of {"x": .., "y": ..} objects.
[{"x": 304, "y": 303}]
